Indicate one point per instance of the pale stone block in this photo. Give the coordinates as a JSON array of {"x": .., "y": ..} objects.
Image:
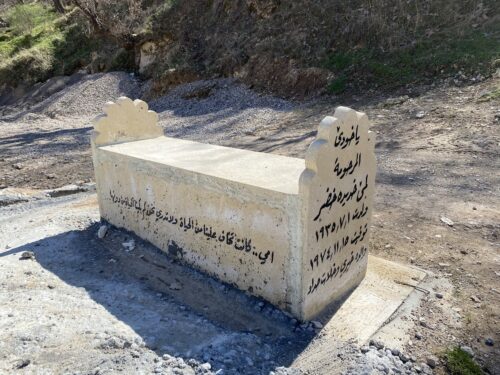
[
  {"x": 262, "y": 222},
  {"x": 337, "y": 190}
]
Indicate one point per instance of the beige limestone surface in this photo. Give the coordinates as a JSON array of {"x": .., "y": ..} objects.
[
  {"x": 337, "y": 190},
  {"x": 258, "y": 221},
  {"x": 266, "y": 171}
]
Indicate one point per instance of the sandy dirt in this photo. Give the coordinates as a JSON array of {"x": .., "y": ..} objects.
[{"x": 437, "y": 198}]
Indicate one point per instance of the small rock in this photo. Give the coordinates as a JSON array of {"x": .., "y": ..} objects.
[
  {"x": 175, "y": 286},
  {"x": 395, "y": 352},
  {"x": 468, "y": 350},
  {"x": 444, "y": 264},
  {"x": 439, "y": 295},
  {"x": 316, "y": 324},
  {"x": 475, "y": 299},
  {"x": 205, "y": 366},
  {"x": 447, "y": 221},
  {"x": 17, "y": 166},
  {"x": 403, "y": 357},
  {"x": 432, "y": 361},
  {"x": 383, "y": 368},
  {"x": 364, "y": 349},
  {"x": 129, "y": 245},
  {"x": 420, "y": 114},
  {"x": 50, "y": 286},
  {"x": 417, "y": 369},
  {"x": 103, "y": 229},
  {"x": 376, "y": 343},
  {"x": 22, "y": 363},
  {"x": 418, "y": 336},
  {"x": 489, "y": 341},
  {"x": 27, "y": 255}
]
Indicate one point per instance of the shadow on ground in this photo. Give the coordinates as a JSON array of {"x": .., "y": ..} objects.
[{"x": 175, "y": 309}]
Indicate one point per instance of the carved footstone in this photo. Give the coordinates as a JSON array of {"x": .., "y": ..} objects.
[{"x": 293, "y": 232}]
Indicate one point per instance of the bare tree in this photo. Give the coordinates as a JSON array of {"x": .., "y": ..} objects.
[
  {"x": 117, "y": 18},
  {"x": 58, "y": 5},
  {"x": 90, "y": 9}
]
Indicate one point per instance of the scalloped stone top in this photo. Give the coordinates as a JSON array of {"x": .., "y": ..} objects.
[{"x": 125, "y": 121}]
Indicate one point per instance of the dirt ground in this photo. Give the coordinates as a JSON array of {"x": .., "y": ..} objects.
[{"x": 437, "y": 194}]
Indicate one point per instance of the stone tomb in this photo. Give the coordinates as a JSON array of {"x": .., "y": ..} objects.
[{"x": 292, "y": 231}]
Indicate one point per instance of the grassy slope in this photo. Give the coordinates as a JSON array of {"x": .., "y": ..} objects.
[
  {"x": 39, "y": 44},
  {"x": 474, "y": 53}
]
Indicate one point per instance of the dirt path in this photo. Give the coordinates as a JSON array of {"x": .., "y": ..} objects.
[{"x": 438, "y": 160}]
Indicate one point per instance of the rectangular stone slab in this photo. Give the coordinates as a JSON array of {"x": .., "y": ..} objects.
[
  {"x": 256, "y": 169},
  {"x": 292, "y": 231}
]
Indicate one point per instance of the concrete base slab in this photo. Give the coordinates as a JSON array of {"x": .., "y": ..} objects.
[
  {"x": 386, "y": 286},
  {"x": 382, "y": 296}
]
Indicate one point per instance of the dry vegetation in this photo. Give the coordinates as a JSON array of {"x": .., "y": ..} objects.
[{"x": 294, "y": 49}]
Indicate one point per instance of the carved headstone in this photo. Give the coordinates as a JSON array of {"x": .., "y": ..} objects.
[
  {"x": 337, "y": 190},
  {"x": 125, "y": 121}
]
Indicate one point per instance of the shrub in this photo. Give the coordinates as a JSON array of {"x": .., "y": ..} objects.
[
  {"x": 23, "y": 18},
  {"x": 28, "y": 66},
  {"x": 461, "y": 363},
  {"x": 55, "y": 45}
]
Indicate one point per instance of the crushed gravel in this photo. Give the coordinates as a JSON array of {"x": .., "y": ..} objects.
[{"x": 217, "y": 110}]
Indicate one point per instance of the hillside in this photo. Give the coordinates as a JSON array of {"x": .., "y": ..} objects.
[{"x": 292, "y": 49}]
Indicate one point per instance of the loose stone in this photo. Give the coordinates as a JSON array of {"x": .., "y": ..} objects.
[
  {"x": 27, "y": 255},
  {"x": 432, "y": 361},
  {"x": 103, "y": 229},
  {"x": 376, "y": 343},
  {"x": 403, "y": 357},
  {"x": 468, "y": 350}
]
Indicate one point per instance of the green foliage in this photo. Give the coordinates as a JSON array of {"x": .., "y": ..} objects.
[
  {"x": 426, "y": 59},
  {"x": 338, "y": 85},
  {"x": 54, "y": 45},
  {"x": 461, "y": 363},
  {"x": 24, "y": 18},
  {"x": 492, "y": 95}
]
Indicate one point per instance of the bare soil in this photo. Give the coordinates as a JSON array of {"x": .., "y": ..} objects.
[{"x": 438, "y": 182}]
